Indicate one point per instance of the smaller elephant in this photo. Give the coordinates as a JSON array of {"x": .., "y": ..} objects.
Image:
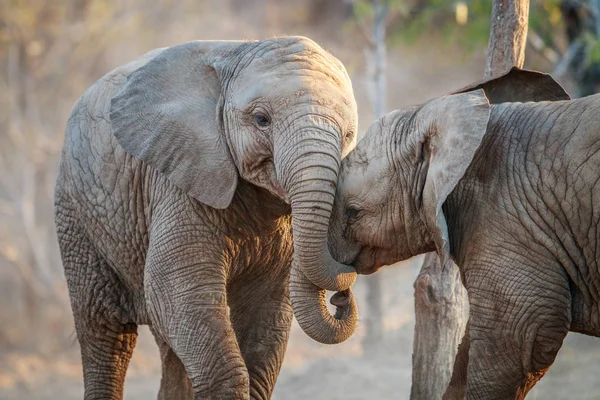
[
  {"x": 511, "y": 192},
  {"x": 182, "y": 176}
]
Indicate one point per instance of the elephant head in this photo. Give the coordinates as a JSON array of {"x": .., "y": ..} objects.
[
  {"x": 278, "y": 113},
  {"x": 391, "y": 189}
]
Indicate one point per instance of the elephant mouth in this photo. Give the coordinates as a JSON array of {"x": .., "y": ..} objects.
[{"x": 370, "y": 260}]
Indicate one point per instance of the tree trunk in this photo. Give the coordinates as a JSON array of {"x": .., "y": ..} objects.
[
  {"x": 375, "y": 58},
  {"x": 508, "y": 36},
  {"x": 380, "y": 50},
  {"x": 441, "y": 311},
  {"x": 374, "y": 318}
]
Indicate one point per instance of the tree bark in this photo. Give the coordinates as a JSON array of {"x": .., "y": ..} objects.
[
  {"x": 374, "y": 318},
  {"x": 375, "y": 57},
  {"x": 380, "y": 50},
  {"x": 508, "y": 36},
  {"x": 441, "y": 311}
]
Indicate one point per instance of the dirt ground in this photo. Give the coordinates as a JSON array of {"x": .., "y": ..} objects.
[{"x": 311, "y": 370}]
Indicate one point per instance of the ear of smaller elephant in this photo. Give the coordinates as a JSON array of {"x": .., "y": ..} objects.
[
  {"x": 167, "y": 115},
  {"x": 519, "y": 85},
  {"x": 452, "y": 128}
]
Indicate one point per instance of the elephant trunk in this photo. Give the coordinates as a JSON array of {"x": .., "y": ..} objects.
[
  {"x": 310, "y": 309},
  {"x": 311, "y": 190},
  {"x": 312, "y": 203}
]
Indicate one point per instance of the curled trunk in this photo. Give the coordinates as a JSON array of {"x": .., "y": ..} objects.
[
  {"x": 310, "y": 308},
  {"x": 310, "y": 179},
  {"x": 311, "y": 210}
]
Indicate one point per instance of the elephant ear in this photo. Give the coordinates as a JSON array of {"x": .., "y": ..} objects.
[
  {"x": 167, "y": 114},
  {"x": 519, "y": 85},
  {"x": 450, "y": 130}
]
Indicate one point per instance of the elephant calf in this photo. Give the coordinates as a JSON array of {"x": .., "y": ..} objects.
[
  {"x": 177, "y": 179},
  {"x": 511, "y": 192}
]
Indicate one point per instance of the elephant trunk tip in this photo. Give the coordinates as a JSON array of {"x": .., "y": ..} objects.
[
  {"x": 341, "y": 301},
  {"x": 308, "y": 302}
]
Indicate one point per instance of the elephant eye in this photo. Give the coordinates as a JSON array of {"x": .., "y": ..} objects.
[
  {"x": 262, "y": 120},
  {"x": 351, "y": 212}
]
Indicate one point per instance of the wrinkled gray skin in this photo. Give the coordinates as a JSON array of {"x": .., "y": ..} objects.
[
  {"x": 177, "y": 179},
  {"x": 511, "y": 192}
]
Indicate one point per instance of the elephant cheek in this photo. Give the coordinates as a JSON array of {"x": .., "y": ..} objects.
[
  {"x": 274, "y": 187},
  {"x": 263, "y": 174}
]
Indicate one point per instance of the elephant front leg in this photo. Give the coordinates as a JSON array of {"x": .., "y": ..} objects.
[
  {"x": 188, "y": 309},
  {"x": 174, "y": 383},
  {"x": 106, "y": 333},
  {"x": 261, "y": 315},
  {"x": 519, "y": 316}
]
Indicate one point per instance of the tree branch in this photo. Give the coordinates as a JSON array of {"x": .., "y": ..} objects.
[
  {"x": 565, "y": 62},
  {"x": 508, "y": 36},
  {"x": 538, "y": 44}
]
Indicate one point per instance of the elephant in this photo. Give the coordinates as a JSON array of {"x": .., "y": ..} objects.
[
  {"x": 183, "y": 178},
  {"x": 505, "y": 186}
]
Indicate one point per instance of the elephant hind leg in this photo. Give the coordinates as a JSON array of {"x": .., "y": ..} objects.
[
  {"x": 105, "y": 332},
  {"x": 105, "y": 353},
  {"x": 174, "y": 383}
]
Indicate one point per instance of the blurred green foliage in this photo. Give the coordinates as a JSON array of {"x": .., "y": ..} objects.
[
  {"x": 545, "y": 18},
  {"x": 592, "y": 43},
  {"x": 409, "y": 20}
]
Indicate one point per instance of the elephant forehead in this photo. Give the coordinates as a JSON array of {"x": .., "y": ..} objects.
[
  {"x": 376, "y": 170},
  {"x": 299, "y": 53},
  {"x": 366, "y": 182},
  {"x": 368, "y": 165},
  {"x": 373, "y": 146},
  {"x": 292, "y": 89},
  {"x": 299, "y": 80}
]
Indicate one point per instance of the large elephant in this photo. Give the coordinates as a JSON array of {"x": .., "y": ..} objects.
[
  {"x": 511, "y": 193},
  {"x": 177, "y": 179}
]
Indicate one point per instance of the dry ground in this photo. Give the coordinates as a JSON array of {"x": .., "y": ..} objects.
[{"x": 310, "y": 371}]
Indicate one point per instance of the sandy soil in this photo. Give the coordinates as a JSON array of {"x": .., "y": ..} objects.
[{"x": 310, "y": 370}]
